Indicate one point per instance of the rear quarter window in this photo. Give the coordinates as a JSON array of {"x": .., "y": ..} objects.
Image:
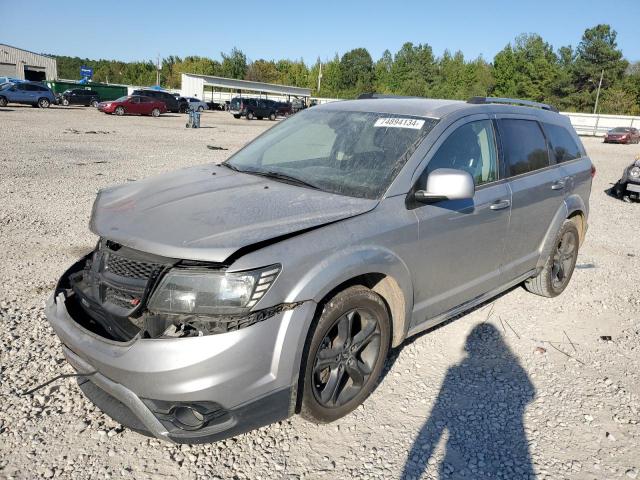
[
  {"x": 562, "y": 145},
  {"x": 524, "y": 147}
]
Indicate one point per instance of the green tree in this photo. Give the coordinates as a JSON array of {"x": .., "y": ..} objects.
[
  {"x": 234, "y": 64},
  {"x": 598, "y": 51},
  {"x": 527, "y": 70},
  {"x": 263, "y": 71},
  {"x": 413, "y": 70},
  {"x": 356, "y": 72},
  {"x": 382, "y": 73}
]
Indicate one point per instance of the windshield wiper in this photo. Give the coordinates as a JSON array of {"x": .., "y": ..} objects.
[
  {"x": 230, "y": 166},
  {"x": 282, "y": 176}
]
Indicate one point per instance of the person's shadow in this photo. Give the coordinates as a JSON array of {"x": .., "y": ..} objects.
[{"x": 481, "y": 406}]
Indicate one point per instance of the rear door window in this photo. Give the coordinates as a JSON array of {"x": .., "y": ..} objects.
[
  {"x": 524, "y": 146},
  {"x": 561, "y": 143}
]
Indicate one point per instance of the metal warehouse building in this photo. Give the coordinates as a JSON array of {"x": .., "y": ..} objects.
[
  {"x": 26, "y": 65},
  {"x": 208, "y": 87}
]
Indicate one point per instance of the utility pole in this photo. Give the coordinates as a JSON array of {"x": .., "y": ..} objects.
[
  {"x": 158, "y": 71},
  {"x": 319, "y": 78},
  {"x": 595, "y": 108}
]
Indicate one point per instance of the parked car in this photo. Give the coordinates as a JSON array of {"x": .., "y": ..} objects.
[
  {"x": 628, "y": 187},
  {"x": 251, "y": 108},
  {"x": 80, "y": 96},
  {"x": 283, "y": 109},
  {"x": 622, "y": 135},
  {"x": 30, "y": 93},
  {"x": 196, "y": 104},
  {"x": 173, "y": 103},
  {"x": 134, "y": 105},
  {"x": 219, "y": 105},
  {"x": 224, "y": 297}
]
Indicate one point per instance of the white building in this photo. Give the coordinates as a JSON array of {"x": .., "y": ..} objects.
[{"x": 26, "y": 65}]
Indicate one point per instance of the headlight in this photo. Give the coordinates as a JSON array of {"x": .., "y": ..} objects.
[
  {"x": 634, "y": 172},
  {"x": 206, "y": 292}
]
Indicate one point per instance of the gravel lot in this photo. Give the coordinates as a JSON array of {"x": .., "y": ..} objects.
[{"x": 524, "y": 386}]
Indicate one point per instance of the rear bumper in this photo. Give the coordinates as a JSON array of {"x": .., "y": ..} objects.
[{"x": 244, "y": 379}]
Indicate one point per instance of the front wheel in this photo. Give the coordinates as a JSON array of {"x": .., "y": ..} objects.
[
  {"x": 557, "y": 271},
  {"x": 155, "y": 112},
  {"x": 345, "y": 354},
  {"x": 65, "y": 102},
  {"x": 94, "y": 103},
  {"x": 119, "y": 111},
  {"x": 200, "y": 108},
  {"x": 272, "y": 116},
  {"x": 44, "y": 103},
  {"x": 3, "y": 102},
  {"x": 236, "y": 116},
  {"x": 249, "y": 115}
]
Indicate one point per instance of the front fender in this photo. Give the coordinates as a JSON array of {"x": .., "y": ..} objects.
[{"x": 352, "y": 262}]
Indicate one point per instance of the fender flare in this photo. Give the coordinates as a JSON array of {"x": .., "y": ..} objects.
[
  {"x": 342, "y": 266},
  {"x": 571, "y": 205}
]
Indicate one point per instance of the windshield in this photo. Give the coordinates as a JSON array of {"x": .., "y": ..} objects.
[{"x": 349, "y": 153}]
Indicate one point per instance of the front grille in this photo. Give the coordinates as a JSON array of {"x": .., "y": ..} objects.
[{"x": 128, "y": 268}]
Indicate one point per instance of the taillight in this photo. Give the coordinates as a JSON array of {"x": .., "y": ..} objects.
[{"x": 593, "y": 170}]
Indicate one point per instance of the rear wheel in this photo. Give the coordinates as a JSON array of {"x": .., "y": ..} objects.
[
  {"x": 345, "y": 354},
  {"x": 3, "y": 102},
  {"x": 236, "y": 116},
  {"x": 557, "y": 271},
  {"x": 155, "y": 112},
  {"x": 44, "y": 103},
  {"x": 272, "y": 116},
  {"x": 119, "y": 111},
  {"x": 94, "y": 103},
  {"x": 250, "y": 116},
  {"x": 200, "y": 108}
]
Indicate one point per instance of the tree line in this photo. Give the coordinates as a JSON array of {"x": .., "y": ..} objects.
[{"x": 527, "y": 68}]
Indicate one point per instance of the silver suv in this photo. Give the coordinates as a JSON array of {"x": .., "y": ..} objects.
[{"x": 221, "y": 298}]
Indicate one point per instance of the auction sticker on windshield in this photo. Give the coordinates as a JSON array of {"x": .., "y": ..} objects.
[{"x": 399, "y": 123}]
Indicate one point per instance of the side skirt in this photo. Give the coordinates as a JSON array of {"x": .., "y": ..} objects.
[{"x": 432, "y": 322}]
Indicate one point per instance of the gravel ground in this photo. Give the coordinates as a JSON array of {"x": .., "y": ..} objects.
[{"x": 524, "y": 386}]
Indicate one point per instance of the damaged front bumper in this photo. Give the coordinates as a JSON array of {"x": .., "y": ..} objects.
[{"x": 192, "y": 389}]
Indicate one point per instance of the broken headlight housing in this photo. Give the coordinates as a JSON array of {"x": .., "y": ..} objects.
[{"x": 198, "y": 292}]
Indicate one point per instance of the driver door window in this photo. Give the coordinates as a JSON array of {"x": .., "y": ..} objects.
[{"x": 471, "y": 148}]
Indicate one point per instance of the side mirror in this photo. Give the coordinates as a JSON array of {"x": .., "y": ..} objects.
[{"x": 447, "y": 184}]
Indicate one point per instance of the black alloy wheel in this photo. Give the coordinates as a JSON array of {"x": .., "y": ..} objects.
[{"x": 345, "y": 354}]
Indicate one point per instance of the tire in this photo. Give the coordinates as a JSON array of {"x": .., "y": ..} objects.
[
  {"x": 272, "y": 116},
  {"x": 44, "y": 103},
  {"x": 65, "y": 102},
  {"x": 558, "y": 269},
  {"x": 200, "y": 108},
  {"x": 339, "y": 371},
  {"x": 250, "y": 116},
  {"x": 94, "y": 103},
  {"x": 3, "y": 102},
  {"x": 155, "y": 112},
  {"x": 236, "y": 116},
  {"x": 119, "y": 111}
]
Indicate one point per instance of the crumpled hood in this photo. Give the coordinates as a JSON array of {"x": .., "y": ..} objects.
[{"x": 209, "y": 212}]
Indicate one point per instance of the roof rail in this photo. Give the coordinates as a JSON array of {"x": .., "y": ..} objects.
[
  {"x": 511, "y": 101},
  {"x": 364, "y": 96}
]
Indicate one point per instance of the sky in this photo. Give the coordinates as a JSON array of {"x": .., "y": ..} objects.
[{"x": 141, "y": 30}]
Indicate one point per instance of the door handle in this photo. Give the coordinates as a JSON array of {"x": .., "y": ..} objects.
[
  {"x": 500, "y": 204},
  {"x": 559, "y": 185}
]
